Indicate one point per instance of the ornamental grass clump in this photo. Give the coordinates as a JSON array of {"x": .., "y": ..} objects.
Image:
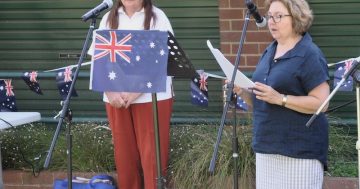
[
  {"x": 342, "y": 155},
  {"x": 192, "y": 147}
]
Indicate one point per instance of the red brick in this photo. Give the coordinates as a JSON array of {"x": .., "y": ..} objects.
[
  {"x": 229, "y": 36},
  {"x": 263, "y": 46},
  {"x": 231, "y": 13},
  {"x": 237, "y": 4},
  {"x": 28, "y": 186},
  {"x": 225, "y": 48},
  {"x": 340, "y": 183},
  {"x": 12, "y": 176},
  {"x": 18, "y": 187},
  {"x": 43, "y": 178},
  {"x": 252, "y": 61},
  {"x": 238, "y": 25},
  {"x": 58, "y": 175},
  {"x": 224, "y": 3},
  {"x": 225, "y": 25},
  {"x": 232, "y": 59},
  {"x": 247, "y": 68},
  {"x": 260, "y": 3},
  {"x": 260, "y": 36},
  {"x": 247, "y": 49}
]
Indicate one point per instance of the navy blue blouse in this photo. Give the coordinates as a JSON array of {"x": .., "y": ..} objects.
[{"x": 279, "y": 130}]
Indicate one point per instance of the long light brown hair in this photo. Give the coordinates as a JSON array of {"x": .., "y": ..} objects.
[{"x": 113, "y": 19}]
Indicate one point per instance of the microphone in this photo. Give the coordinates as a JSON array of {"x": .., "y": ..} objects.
[
  {"x": 106, "y": 4},
  {"x": 260, "y": 21}
]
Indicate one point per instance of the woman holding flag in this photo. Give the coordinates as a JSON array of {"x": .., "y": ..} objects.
[{"x": 130, "y": 114}]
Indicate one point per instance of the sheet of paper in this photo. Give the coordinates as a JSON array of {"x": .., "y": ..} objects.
[{"x": 228, "y": 68}]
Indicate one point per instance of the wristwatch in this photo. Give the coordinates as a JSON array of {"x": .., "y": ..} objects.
[{"x": 284, "y": 100}]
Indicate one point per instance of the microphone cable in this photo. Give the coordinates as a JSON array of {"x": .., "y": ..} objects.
[
  {"x": 340, "y": 106},
  {"x": 34, "y": 167}
]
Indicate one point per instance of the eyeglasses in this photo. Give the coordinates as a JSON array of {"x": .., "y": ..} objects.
[{"x": 276, "y": 18}]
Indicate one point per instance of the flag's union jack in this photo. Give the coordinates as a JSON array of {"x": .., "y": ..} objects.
[
  {"x": 64, "y": 81},
  {"x": 30, "y": 79},
  {"x": 7, "y": 96},
  {"x": 348, "y": 64},
  {"x": 199, "y": 90},
  {"x": 340, "y": 71},
  {"x": 33, "y": 76},
  {"x": 9, "y": 88},
  {"x": 203, "y": 82},
  {"x": 67, "y": 74},
  {"x": 112, "y": 47}
]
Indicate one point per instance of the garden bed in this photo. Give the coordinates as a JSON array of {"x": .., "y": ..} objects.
[
  {"x": 190, "y": 155},
  {"x": 18, "y": 179}
]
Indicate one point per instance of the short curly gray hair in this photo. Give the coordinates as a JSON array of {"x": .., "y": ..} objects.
[{"x": 300, "y": 12}]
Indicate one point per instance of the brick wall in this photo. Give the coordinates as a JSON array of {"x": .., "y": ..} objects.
[{"x": 232, "y": 13}]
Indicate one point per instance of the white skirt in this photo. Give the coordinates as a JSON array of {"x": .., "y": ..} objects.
[{"x": 282, "y": 172}]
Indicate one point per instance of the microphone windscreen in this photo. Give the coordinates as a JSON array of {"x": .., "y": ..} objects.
[{"x": 109, "y": 3}]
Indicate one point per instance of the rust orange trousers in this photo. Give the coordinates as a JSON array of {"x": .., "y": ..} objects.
[{"x": 134, "y": 143}]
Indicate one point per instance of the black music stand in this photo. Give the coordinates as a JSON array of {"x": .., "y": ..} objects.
[{"x": 179, "y": 66}]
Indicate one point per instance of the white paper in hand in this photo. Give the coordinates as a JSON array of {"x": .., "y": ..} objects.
[{"x": 240, "y": 80}]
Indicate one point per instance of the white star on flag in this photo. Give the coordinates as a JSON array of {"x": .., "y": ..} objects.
[
  {"x": 138, "y": 58},
  {"x": 162, "y": 52},
  {"x": 112, "y": 75},
  {"x": 149, "y": 85},
  {"x": 152, "y": 45}
]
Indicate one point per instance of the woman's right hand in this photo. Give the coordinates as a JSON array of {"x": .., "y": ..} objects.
[
  {"x": 115, "y": 99},
  {"x": 237, "y": 89}
]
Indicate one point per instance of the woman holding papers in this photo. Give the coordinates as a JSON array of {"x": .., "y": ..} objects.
[
  {"x": 130, "y": 114},
  {"x": 291, "y": 82}
]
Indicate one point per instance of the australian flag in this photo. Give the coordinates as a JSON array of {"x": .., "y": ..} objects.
[
  {"x": 241, "y": 104},
  {"x": 199, "y": 89},
  {"x": 7, "y": 96},
  {"x": 63, "y": 81},
  {"x": 340, "y": 71},
  {"x": 30, "y": 79},
  {"x": 130, "y": 61}
]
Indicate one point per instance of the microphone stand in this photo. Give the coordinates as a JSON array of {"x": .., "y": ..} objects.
[
  {"x": 160, "y": 177},
  {"x": 65, "y": 109},
  {"x": 358, "y": 123},
  {"x": 356, "y": 77},
  {"x": 230, "y": 88}
]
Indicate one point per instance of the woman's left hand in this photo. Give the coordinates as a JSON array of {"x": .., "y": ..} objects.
[
  {"x": 129, "y": 98},
  {"x": 266, "y": 93}
]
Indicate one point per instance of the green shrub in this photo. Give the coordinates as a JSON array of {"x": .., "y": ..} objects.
[{"x": 92, "y": 147}]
